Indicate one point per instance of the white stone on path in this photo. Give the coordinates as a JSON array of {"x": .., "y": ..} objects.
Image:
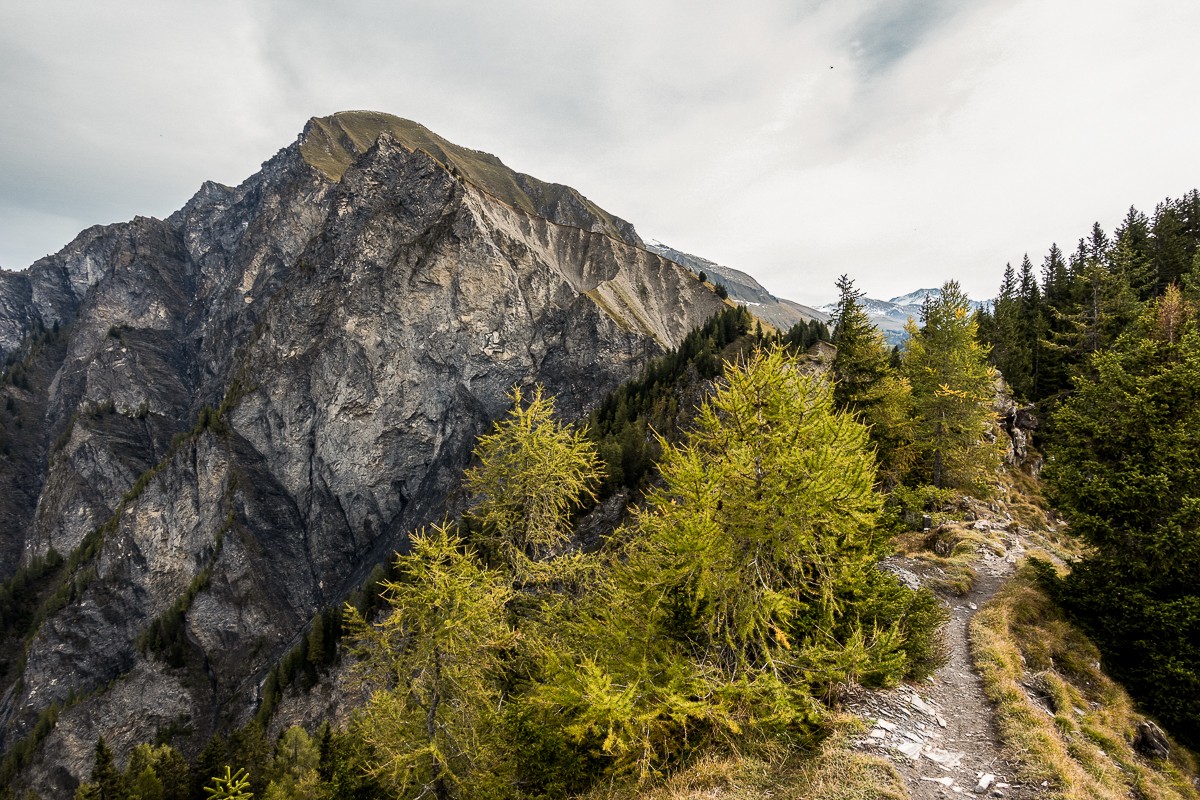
[
  {"x": 985, "y": 780},
  {"x": 922, "y": 706},
  {"x": 945, "y": 758}
]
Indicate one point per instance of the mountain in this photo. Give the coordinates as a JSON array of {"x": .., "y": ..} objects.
[
  {"x": 890, "y": 316},
  {"x": 743, "y": 289},
  {"x": 212, "y": 426}
]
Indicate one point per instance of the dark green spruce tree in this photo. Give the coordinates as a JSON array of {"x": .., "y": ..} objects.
[
  {"x": 866, "y": 384},
  {"x": 1125, "y": 469},
  {"x": 1007, "y": 335}
]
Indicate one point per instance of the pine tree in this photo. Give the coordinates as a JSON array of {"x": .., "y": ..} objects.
[
  {"x": 1054, "y": 370},
  {"x": 146, "y": 785},
  {"x": 857, "y": 366},
  {"x": 212, "y": 757},
  {"x": 1033, "y": 328},
  {"x": 293, "y": 774},
  {"x": 1171, "y": 247},
  {"x": 172, "y": 769},
  {"x": 434, "y": 663},
  {"x": 248, "y": 747},
  {"x": 1010, "y": 344},
  {"x": 295, "y": 753},
  {"x": 344, "y": 766},
  {"x": 109, "y": 783},
  {"x": 952, "y": 389},
  {"x": 319, "y": 645},
  {"x": 1132, "y": 257},
  {"x": 1097, "y": 304},
  {"x": 141, "y": 774}
]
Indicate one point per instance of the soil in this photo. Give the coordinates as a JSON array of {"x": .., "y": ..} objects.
[{"x": 941, "y": 733}]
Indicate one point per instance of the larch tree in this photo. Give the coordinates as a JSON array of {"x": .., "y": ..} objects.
[
  {"x": 732, "y": 602},
  {"x": 229, "y": 786},
  {"x": 532, "y": 471},
  {"x": 434, "y": 664},
  {"x": 953, "y": 391}
]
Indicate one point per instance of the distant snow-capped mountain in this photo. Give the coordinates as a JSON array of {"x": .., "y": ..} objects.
[{"x": 891, "y": 315}]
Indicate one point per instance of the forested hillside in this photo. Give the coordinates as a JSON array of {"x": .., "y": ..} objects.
[
  {"x": 1106, "y": 344},
  {"x": 694, "y": 568},
  {"x": 502, "y": 660}
]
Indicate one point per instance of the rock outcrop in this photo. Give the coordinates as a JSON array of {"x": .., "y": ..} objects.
[
  {"x": 1019, "y": 424},
  {"x": 239, "y": 410}
]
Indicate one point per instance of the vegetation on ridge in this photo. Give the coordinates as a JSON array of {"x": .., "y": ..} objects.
[{"x": 625, "y": 662}]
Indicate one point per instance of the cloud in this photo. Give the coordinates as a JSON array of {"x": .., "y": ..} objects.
[
  {"x": 902, "y": 142},
  {"x": 887, "y": 32}
]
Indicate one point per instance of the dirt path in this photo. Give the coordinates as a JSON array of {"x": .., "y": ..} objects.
[{"x": 941, "y": 733}]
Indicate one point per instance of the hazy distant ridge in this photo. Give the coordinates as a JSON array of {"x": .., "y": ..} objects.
[{"x": 743, "y": 288}]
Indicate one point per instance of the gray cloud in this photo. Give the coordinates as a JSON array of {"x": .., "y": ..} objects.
[
  {"x": 946, "y": 139},
  {"x": 890, "y": 30}
]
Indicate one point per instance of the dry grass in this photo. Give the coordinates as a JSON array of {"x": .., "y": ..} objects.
[
  {"x": 951, "y": 550},
  {"x": 833, "y": 772},
  {"x": 334, "y": 142},
  {"x": 1064, "y": 721},
  {"x": 1024, "y": 499}
]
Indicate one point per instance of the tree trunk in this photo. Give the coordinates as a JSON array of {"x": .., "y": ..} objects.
[{"x": 436, "y": 769}]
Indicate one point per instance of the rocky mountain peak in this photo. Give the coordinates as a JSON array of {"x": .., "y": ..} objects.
[
  {"x": 223, "y": 420},
  {"x": 331, "y": 144}
]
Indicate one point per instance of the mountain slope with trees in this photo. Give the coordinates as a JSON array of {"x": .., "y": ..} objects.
[
  {"x": 215, "y": 425},
  {"x": 1105, "y": 347}
]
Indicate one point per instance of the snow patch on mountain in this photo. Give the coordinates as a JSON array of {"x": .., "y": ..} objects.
[{"x": 891, "y": 315}]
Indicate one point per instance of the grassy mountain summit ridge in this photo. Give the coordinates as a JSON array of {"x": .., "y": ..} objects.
[{"x": 331, "y": 144}]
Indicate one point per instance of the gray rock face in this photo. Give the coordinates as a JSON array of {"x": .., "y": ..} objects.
[
  {"x": 1019, "y": 423},
  {"x": 356, "y": 330},
  {"x": 1151, "y": 742}
]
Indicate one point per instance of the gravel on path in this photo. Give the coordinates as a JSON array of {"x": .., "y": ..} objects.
[{"x": 941, "y": 733}]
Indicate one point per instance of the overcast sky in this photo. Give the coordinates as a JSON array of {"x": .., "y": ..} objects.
[{"x": 904, "y": 142}]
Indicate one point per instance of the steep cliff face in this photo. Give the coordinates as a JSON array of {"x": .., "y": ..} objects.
[{"x": 248, "y": 404}]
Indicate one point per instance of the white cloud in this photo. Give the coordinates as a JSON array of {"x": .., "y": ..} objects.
[{"x": 902, "y": 142}]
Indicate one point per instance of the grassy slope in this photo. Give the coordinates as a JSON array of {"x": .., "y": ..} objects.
[
  {"x": 1057, "y": 712},
  {"x": 332, "y": 143},
  {"x": 1066, "y": 722}
]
